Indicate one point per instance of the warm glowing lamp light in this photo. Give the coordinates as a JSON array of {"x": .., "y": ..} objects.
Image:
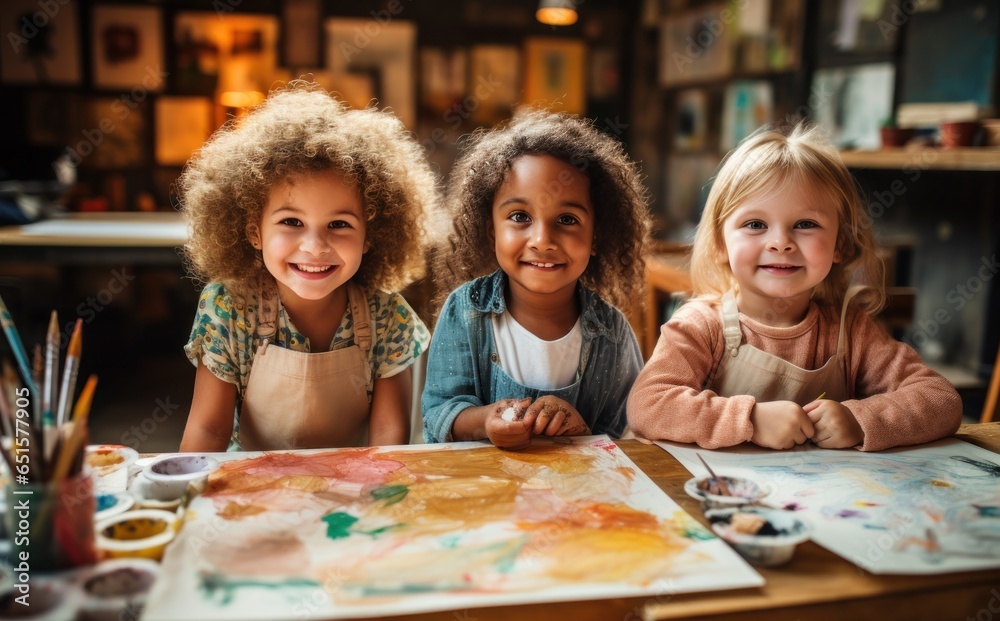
[
  {"x": 556, "y": 12},
  {"x": 240, "y": 99}
]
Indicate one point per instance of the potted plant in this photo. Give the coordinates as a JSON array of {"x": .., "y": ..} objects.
[{"x": 892, "y": 136}]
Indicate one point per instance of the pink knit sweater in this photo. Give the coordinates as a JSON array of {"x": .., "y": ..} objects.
[{"x": 894, "y": 396}]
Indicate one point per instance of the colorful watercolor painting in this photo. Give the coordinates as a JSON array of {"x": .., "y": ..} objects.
[
  {"x": 376, "y": 531},
  {"x": 928, "y": 509}
]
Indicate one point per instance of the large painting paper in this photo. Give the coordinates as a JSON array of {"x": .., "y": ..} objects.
[
  {"x": 378, "y": 531},
  {"x": 927, "y": 509}
]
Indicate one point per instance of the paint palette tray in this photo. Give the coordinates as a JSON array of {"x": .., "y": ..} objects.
[{"x": 743, "y": 491}]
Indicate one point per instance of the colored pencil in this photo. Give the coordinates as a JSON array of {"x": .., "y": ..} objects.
[
  {"x": 70, "y": 372},
  {"x": 821, "y": 396},
  {"x": 7, "y": 322}
]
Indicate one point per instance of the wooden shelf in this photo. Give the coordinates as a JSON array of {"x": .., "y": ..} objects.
[{"x": 926, "y": 158}]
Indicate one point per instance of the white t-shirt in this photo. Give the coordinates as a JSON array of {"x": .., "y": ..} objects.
[{"x": 533, "y": 362}]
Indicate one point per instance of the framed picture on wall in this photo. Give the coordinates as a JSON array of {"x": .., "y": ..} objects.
[
  {"x": 225, "y": 53},
  {"x": 388, "y": 54},
  {"x": 35, "y": 52},
  {"x": 494, "y": 82},
  {"x": 693, "y": 48},
  {"x": 554, "y": 74},
  {"x": 127, "y": 48},
  {"x": 116, "y": 135},
  {"x": 183, "y": 124},
  {"x": 302, "y": 33}
]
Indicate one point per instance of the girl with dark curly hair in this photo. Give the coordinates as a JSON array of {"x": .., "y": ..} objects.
[
  {"x": 302, "y": 216},
  {"x": 550, "y": 225}
]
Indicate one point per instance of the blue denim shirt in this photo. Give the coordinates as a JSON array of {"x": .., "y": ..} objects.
[{"x": 463, "y": 369}]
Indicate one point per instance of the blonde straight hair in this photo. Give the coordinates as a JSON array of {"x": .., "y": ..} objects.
[{"x": 764, "y": 163}]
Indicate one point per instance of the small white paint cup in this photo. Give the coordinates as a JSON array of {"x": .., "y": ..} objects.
[{"x": 170, "y": 476}]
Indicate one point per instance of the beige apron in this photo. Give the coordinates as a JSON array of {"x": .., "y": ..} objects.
[
  {"x": 308, "y": 400},
  {"x": 746, "y": 370}
]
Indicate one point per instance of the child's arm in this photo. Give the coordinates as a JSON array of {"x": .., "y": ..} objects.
[
  {"x": 210, "y": 423},
  {"x": 899, "y": 400},
  {"x": 450, "y": 385},
  {"x": 668, "y": 401},
  {"x": 390, "y": 414}
]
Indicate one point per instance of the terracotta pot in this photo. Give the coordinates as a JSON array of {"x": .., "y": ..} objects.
[
  {"x": 895, "y": 136},
  {"x": 958, "y": 134}
]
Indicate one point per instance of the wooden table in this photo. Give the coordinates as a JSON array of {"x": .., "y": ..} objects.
[{"x": 816, "y": 585}]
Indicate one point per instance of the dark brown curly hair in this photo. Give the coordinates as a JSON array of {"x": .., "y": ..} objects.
[
  {"x": 620, "y": 200},
  {"x": 301, "y": 129}
]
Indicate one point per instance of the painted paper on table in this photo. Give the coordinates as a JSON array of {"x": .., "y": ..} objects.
[
  {"x": 376, "y": 531},
  {"x": 928, "y": 509}
]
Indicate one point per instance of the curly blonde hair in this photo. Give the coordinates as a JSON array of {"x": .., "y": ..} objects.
[
  {"x": 620, "y": 202},
  {"x": 769, "y": 159},
  {"x": 302, "y": 129}
]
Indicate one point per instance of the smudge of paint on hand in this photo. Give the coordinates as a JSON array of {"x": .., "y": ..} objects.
[
  {"x": 338, "y": 524},
  {"x": 391, "y": 494},
  {"x": 509, "y": 415}
]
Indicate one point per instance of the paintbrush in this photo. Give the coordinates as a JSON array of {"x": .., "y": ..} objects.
[
  {"x": 7, "y": 323},
  {"x": 722, "y": 484},
  {"x": 70, "y": 372},
  {"x": 50, "y": 385},
  {"x": 74, "y": 443}
]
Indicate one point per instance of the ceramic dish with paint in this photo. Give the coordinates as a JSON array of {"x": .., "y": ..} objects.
[
  {"x": 108, "y": 505},
  {"x": 118, "y": 588},
  {"x": 170, "y": 476},
  {"x": 136, "y": 534},
  {"x": 108, "y": 465},
  {"x": 141, "y": 490},
  {"x": 742, "y": 491},
  {"x": 764, "y": 537}
]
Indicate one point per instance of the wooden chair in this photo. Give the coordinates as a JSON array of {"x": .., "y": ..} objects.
[{"x": 992, "y": 405}]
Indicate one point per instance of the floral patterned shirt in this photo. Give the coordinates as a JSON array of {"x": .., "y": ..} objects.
[{"x": 224, "y": 336}]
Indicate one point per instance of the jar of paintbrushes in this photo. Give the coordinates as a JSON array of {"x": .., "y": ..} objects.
[{"x": 50, "y": 499}]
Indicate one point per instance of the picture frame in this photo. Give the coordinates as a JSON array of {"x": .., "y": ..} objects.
[
  {"x": 858, "y": 100},
  {"x": 554, "y": 74},
  {"x": 127, "y": 48},
  {"x": 46, "y": 54},
  {"x": 498, "y": 67},
  {"x": 214, "y": 53},
  {"x": 386, "y": 50},
  {"x": 52, "y": 118},
  {"x": 692, "y": 50},
  {"x": 183, "y": 124},
  {"x": 115, "y": 135},
  {"x": 442, "y": 79},
  {"x": 302, "y": 33}
]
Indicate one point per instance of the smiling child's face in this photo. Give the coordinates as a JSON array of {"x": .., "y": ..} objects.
[
  {"x": 312, "y": 235},
  {"x": 543, "y": 225},
  {"x": 780, "y": 246}
]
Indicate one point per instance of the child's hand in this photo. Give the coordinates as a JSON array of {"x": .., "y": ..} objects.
[
  {"x": 553, "y": 416},
  {"x": 780, "y": 424},
  {"x": 509, "y": 434},
  {"x": 835, "y": 425}
]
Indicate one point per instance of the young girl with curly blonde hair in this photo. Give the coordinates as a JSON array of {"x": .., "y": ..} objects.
[
  {"x": 550, "y": 225},
  {"x": 771, "y": 350},
  {"x": 302, "y": 216}
]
